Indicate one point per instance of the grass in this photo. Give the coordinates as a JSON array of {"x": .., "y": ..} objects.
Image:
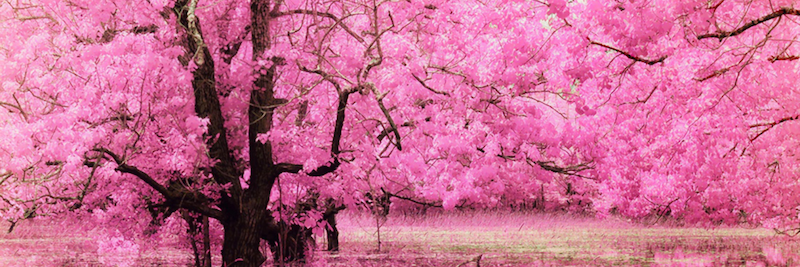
[
  {"x": 508, "y": 239},
  {"x": 43, "y": 243},
  {"x": 502, "y": 239}
]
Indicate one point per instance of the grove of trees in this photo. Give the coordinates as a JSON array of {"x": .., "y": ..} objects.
[{"x": 262, "y": 119}]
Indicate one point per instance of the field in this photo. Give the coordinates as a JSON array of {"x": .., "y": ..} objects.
[{"x": 491, "y": 239}]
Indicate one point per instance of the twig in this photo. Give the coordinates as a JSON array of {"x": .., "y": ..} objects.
[
  {"x": 337, "y": 20},
  {"x": 628, "y": 55},
  {"x": 428, "y": 87},
  {"x": 770, "y": 125}
]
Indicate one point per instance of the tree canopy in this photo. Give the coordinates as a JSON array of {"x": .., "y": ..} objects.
[{"x": 632, "y": 108}]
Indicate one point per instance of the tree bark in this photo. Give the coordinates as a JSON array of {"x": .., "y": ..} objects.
[
  {"x": 290, "y": 243},
  {"x": 242, "y": 237},
  {"x": 206, "y": 244},
  {"x": 242, "y": 212},
  {"x": 332, "y": 233}
]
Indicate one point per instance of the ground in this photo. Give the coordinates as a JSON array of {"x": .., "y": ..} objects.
[{"x": 499, "y": 238}]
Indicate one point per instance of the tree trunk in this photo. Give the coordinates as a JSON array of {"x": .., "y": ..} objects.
[
  {"x": 206, "y": 244},
  {"x": 332, "y": 233},
  {"x": 241, "y": 242},
  {"x": 289, "y": 243}
]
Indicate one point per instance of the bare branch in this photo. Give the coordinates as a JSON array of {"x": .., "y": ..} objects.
[
  {"x": 776, "y": 14},
  {"x": 18, "y": 108}
]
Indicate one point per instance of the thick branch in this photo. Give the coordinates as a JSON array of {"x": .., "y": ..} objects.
[
  {"x": 187, "y": 200},
  {"x": 319, "y": 171},
  {"x": 194, "y": 32},
  {"x": 713, "y": 74},
  {"x": 628, "y": 55},
  {"x": 230, "y": 50},
  {"x": 335, "y": 143},
  {"x": 724, "y": 34},
  {"x": 125, "y": 168},
  {"x": 340, "y": 116},
  {"x": 262, "y": 105},
  {"x": 207, "y": 103}
]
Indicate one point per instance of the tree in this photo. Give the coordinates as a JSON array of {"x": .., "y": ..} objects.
[
  {"x": 684, "y": 103},
  {"x": 682, "y": 108}
]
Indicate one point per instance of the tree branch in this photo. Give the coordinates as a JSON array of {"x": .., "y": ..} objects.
[
  {"x": 230, "y": 50},
  {"x": 435, "y": 205},
  {"x": 628, "y": 55},
  {"x": 194, "y": 32},
  {"x": 770, "y": 125},
  {"x": 572, "y": 170},
  {"x": 642, "y": 101},
  {"x": 428, "y": 87},
  {"x": 772, "y": 59},
  {"x": 337, "y": 20},
  {"x": 186, "y": 199},
  {"x": 777, "y": 13},
  {"x": 207, "y": 103},
  {"x": 379, "y": 98},
  {"x": 335, "y": 143}
]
